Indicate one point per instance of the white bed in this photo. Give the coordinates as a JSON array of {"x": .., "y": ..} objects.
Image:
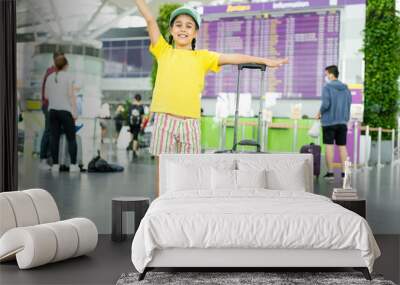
[{"x": 203, "y": 220}]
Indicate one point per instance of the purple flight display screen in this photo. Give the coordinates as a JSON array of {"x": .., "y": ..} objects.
[{"x": 310, "y": 41}]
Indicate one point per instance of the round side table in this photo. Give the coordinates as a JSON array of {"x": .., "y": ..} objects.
[{"x": 139, "y": 205}]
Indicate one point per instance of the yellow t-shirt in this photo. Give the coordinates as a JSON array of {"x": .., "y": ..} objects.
[{"x": 180, "y": 78}]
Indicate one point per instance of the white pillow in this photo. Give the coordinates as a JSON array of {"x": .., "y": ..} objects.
[
  {"x": 183, "y": 177},
  {"x": 223, "y": 179},
  {"x": 290, "y": 179},
  {"x": 285, "y": 174},
  {"x": 251, "y": 179}
]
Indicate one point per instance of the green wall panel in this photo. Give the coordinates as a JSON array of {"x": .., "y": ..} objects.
[{"x": 279, "y": 140}]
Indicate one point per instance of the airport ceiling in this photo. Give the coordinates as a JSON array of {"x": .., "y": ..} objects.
[{"x": 74, "y": 20}]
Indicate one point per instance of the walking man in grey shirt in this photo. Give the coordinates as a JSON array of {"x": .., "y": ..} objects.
[{"x": 334, "y": 114}]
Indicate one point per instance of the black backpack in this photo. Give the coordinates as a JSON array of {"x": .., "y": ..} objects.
[
  {"x": 135, "y": 116},
  {"x": 98, "y": 164}
]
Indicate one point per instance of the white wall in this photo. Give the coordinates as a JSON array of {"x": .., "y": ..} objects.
[
  {"x": 351, "y": 34},
  {"x": 126, "y": 84},
  {"x": 25, "y": 52}
]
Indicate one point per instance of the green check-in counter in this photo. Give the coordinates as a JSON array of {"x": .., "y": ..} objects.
[{"x": 281, "y": 133}]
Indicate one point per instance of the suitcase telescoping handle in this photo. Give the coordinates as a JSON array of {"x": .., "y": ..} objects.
[{"x": 261, "y": 67}]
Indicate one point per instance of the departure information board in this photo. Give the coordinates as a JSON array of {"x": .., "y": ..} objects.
[{"x": 309, "y": 39}]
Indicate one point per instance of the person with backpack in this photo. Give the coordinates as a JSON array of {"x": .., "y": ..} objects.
[{"x": 135, "y": 117}]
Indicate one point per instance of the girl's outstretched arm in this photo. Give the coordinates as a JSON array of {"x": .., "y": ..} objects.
[
  {"x": 154, "y": 31},
  {"x": 225, "y": 59}
]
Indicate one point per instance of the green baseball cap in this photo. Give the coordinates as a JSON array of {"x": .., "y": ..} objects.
[{"x": 186, "y": 10}]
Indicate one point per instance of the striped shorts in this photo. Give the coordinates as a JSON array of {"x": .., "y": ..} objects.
[{"x": 172, "y": 134}]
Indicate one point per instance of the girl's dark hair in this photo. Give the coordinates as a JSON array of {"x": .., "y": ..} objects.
[
  {"x": 194, "y": 44},
  {"x": 171, "y": 39}
]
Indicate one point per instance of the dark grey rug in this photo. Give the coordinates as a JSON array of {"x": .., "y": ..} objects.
[{"x": 243, "y": 278}]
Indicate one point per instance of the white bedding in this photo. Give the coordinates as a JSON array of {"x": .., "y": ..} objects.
[{"x": 250, "y": 218}]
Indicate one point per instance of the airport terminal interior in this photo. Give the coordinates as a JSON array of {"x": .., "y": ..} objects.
[{"x": 106, "y": 43}]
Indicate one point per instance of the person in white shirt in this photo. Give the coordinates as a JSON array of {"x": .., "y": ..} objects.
[{"x": 63, "y": 112}]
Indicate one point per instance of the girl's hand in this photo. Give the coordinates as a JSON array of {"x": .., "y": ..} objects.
[
  {"x": 276, "y": 62},
  {"x": 152, "y": 26}
]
